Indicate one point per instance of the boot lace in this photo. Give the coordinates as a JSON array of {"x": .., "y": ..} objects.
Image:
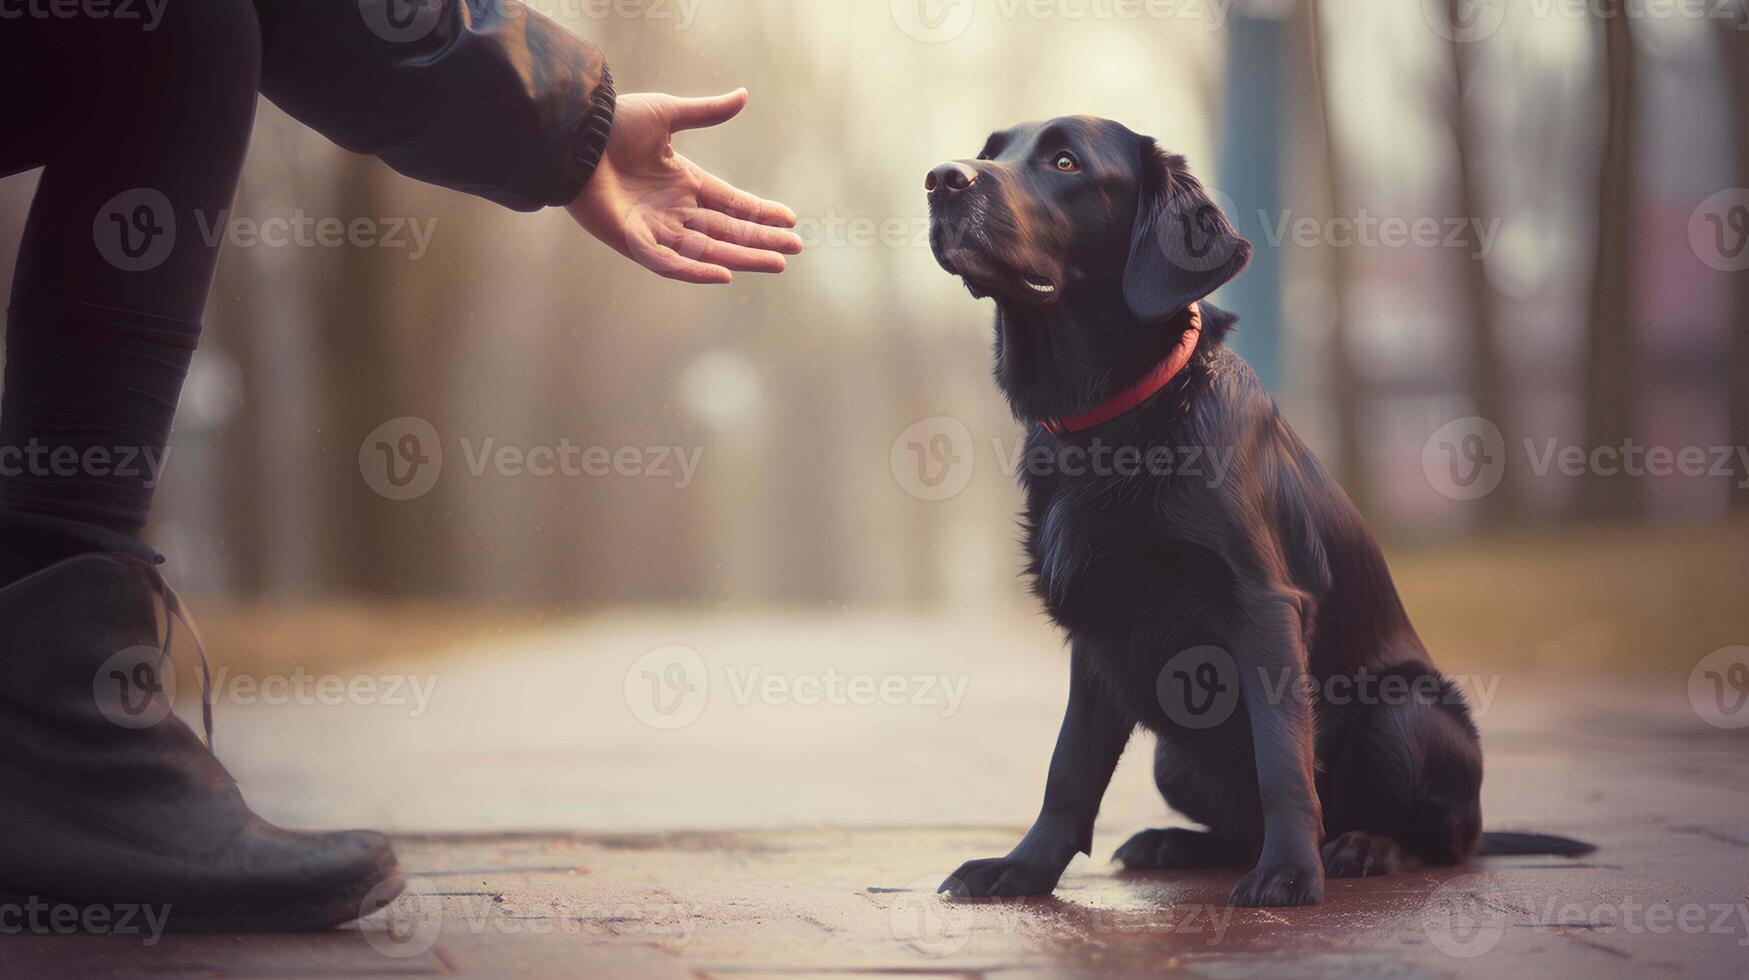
[{"x": 175, "y": 610}]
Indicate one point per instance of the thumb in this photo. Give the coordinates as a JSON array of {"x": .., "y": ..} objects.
[{"x": 709, "y": 111}]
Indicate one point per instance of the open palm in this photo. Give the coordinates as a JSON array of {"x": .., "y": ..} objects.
[{"x": 666, "y": 213}]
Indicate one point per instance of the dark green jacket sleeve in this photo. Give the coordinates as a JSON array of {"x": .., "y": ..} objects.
[{"x": 484, "y": 96}]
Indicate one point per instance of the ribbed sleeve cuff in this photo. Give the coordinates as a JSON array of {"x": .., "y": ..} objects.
[{"x": 590, "y": 141}]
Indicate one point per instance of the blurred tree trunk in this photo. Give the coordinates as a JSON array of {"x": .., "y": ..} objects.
[
  {"x": 1734, "y": 59},
  {"x": 1347, "y": 396},
  {"x": 428, "y": 297},
  {"x": 236, "y": 298},
  {"x": 1252, "y": 118},
  {"x": 354, "y": 358},
  {"x": 1610, "y": 389},
  {"x": 1487, "y": 371}
]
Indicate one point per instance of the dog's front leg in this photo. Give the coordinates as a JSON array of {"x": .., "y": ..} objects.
[
  {"x": 1092, "y": 738},
  {"x": 1272, "y": 671}
]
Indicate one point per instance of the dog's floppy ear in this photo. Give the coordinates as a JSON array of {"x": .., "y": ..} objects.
[{"x": 1182, "y": 248}]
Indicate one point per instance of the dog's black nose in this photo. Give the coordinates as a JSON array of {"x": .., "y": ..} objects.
[{"x": 949, "y": 179}]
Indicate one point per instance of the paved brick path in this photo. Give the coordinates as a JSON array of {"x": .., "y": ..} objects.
[{"x": 774, "y": 838}]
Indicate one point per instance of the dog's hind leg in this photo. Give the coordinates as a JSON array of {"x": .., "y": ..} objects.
[
  {"x": 1178, "y": 847},
  {"x": 1402, "y": 775},
  {"x": 1218, "y": 795},
  {"x": 1358, "y": 854}
]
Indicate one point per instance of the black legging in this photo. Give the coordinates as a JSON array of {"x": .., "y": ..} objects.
[{"x": 141, "y": 129}]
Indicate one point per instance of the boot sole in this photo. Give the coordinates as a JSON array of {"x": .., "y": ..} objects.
[{"x": 319, "y": 912}]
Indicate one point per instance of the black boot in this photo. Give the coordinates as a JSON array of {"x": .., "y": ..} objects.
[{"x": 107, "y": 799}]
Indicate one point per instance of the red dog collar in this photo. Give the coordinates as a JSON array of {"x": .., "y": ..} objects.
[{"x": 1139, "y": 392}]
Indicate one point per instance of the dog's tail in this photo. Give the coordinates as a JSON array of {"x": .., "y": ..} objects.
[{"x": 1498, "y": 843}]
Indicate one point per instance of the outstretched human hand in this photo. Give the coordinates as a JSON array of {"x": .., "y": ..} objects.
[{"x": 664, "y": 212}]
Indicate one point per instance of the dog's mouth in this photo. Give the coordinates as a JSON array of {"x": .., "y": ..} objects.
[
  {"x": 984, "y": 278},
  {"x": 1040, "y": 286},
  {"x": 1022, "y": 286},
  {"x": 963, "y": 248}
]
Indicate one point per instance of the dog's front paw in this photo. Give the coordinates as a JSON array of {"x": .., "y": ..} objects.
[
  {"x": 1003, "y": 877},
  {"x": 1280, "y": 884}
]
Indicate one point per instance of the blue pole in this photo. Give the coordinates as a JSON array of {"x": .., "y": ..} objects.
[{"x": 1250, "y": 176}]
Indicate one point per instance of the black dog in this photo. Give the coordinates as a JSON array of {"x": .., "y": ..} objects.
[{"x": 1216, "y": 585}]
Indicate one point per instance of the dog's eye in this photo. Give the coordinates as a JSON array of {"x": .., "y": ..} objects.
[{"x": 1065, "y": 162}]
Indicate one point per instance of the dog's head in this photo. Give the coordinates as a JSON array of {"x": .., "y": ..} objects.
[{"x": 1082, "y": 228}]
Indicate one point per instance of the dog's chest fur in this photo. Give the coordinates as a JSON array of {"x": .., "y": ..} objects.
[
  {"x": 1088, "y": 543},
  {"x": 1106, "y": 563}
]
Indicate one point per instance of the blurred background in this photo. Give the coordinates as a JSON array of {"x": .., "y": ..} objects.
[{"x": 1486, "y": 232}]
